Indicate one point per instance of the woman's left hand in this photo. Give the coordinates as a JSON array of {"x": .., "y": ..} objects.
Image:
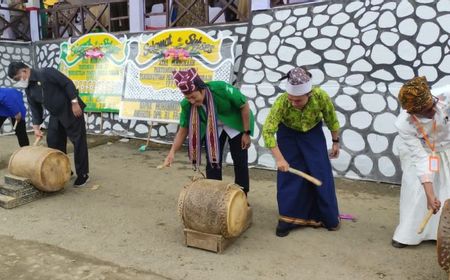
[
  {"x": 245, "y": 141},
  {"x": 334, "y": 150}
]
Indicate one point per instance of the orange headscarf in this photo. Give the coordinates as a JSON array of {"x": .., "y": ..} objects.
[{"x": 415, "y": 95}]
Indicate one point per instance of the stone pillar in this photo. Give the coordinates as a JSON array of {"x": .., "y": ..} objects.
[
  {"x": 137, "y": 15},
  {"x": 32, "y": 6}
]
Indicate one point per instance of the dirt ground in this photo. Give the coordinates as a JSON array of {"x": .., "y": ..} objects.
[{"x": 124, "y": 225}]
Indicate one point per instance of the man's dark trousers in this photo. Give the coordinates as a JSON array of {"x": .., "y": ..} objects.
[
  {"x": 57, "y": 139},
  {"x": 21, "y": 130},
  {"x": 240, "y": 162}
]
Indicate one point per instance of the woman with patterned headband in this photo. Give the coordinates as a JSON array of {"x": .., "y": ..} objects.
[
  {"x": 296, "y": 118},
  {"x": 214, "y": 112},
  {"x": 424, "y": 151}
]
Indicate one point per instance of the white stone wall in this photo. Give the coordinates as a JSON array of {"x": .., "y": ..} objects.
[
  {"x": 10, "y": 51},
  {"x": 360, "y": 52}
]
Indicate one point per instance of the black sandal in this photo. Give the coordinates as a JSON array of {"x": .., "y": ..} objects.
[{"x": 398, "y": 245}]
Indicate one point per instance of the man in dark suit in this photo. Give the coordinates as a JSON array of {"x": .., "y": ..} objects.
[{"x": 50, "y": 89}]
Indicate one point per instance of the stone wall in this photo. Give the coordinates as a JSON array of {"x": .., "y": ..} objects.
[{"x": 360, "y": 52}]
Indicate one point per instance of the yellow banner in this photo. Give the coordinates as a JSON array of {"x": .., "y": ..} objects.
[
  {"x": 95, "y": 63},
  {"x": 150, "y": 91},
  {"x": 179, "y": 49}
]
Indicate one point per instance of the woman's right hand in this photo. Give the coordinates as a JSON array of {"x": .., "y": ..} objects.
[
  {"x": 282, "y": 165},
  {"x": 433, "y": 203},
  {"x": 169, "y": 159}
]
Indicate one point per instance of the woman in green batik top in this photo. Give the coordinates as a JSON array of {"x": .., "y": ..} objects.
[{"x": 296, "y": 118}]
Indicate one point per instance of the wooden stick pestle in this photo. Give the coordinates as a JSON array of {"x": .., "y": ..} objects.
[
  {"x": 425, "y": 221},
  {"x": 306, "y": 176},
  {"x": 38, "y": 139}
]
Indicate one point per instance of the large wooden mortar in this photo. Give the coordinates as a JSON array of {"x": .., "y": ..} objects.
[
  {"x": 443, "y": 238},
  {"x": 215, "y": 207},
  {"x": 48, "y": 169}
]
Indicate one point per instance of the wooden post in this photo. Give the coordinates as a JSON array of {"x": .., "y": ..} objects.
[
  {"x": 143, "y": 148},
  {"x": 150, "y": 127},
  {"x": 109, "y": 19},
  {"x": 101, "y": 122}
]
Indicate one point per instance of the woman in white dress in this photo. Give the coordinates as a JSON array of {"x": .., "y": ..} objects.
[{"x": 424, "y": 150}]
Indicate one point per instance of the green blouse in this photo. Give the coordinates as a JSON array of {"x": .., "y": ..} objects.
[
  {"x": 319, "y": 107},
  {"x": 228, "y": 102}
]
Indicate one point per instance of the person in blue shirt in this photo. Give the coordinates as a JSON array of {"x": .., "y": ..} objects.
[{"x": 11, "y": 106}]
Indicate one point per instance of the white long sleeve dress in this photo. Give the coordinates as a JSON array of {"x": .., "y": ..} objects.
[{"x": 414, "y": 156}]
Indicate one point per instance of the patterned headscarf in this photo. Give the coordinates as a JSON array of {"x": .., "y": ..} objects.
[
  {"x": 415, "y": 95},
  {"x": 185, "y": 80},
  {"x": 299, "y": 82},
  {"x": 188, "y": 81}
]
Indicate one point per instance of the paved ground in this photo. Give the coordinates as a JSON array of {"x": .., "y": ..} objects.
[{"x": 124, "y": 225}]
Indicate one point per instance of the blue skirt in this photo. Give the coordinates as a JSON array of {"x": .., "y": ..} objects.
[{"x": 299, "y": 201}]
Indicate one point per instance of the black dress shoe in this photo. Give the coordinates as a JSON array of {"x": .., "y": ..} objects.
[
  {"x": 81, "y": 181},
  {"x": 283, "y": 229},
  {"x": 282, "y": 232},
  {"x": 398, "y": 245}
]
